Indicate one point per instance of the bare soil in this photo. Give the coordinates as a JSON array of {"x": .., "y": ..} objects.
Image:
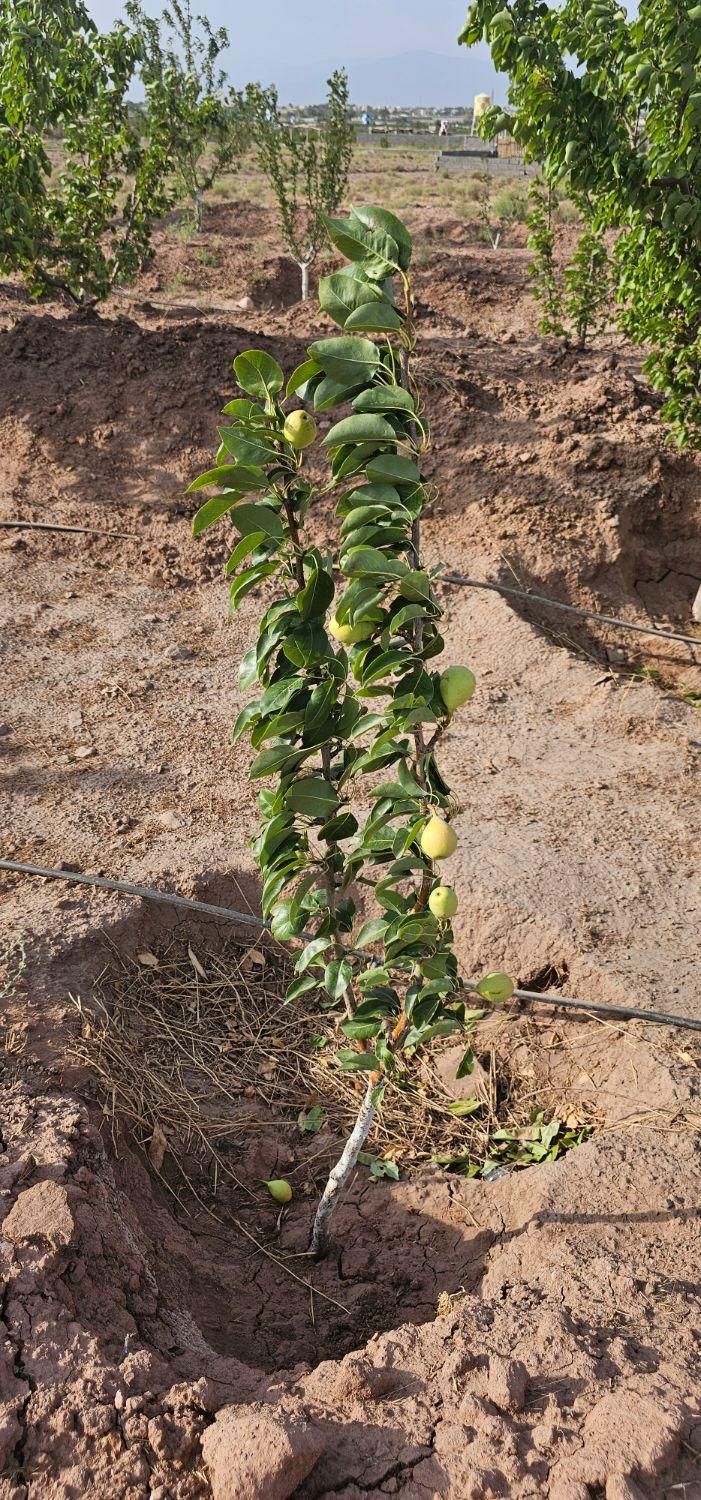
[{"x": 531, "y": 1336}]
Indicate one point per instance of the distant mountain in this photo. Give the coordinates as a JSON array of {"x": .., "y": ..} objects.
[{"x": 425, "y": 79}]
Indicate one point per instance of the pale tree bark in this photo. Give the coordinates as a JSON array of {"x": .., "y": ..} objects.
[
  {"x": 304, "y": 268},
  {"x": 340, "y": 1174}
]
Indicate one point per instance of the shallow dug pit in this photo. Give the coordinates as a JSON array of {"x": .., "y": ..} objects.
[
  {"x": 151, "y": 1282},
  {"x": 209, "y": 1087}
]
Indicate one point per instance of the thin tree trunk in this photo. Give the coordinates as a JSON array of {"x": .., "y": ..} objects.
[
  {"x": 304, "y": 268},
  {"x": 199, "y": 210},
  {"x": 339, "y": 1175}
]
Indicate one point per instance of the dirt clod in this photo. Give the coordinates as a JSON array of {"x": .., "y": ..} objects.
[
  {"x": 252, "y": 1455},
  {"x": 40, "y": 1213},
  {"x": 507, "y": 1382}
]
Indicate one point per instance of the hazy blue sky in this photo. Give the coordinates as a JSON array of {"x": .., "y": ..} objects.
[{"x": 293, "y": 42}]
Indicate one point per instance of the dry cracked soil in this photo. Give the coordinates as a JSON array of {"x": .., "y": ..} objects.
[{"x": 536, "y": 1335}]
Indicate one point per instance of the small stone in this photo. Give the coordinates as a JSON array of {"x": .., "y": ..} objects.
[
  {"x": 506, "y": 1383},
  {"x": 75, "y": 718},
  {"x": 180, "y": 653},
  {"x": 252, "y": 1454},
  {"x": 171, "y": 819},
  {"x": 84, "y": 752},
  {"x": 245, "y": 303}
]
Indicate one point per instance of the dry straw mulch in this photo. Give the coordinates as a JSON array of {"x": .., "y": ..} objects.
[{"x": 187, "y": 1046}]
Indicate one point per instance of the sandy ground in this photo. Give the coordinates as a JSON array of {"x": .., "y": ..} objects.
[{"x": 533, "y": 1336}]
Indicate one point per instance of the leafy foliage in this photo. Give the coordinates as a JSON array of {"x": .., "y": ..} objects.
[
  {"x": 574, "y": 305},
  {"x": 186, "y": 88},
  {"x": 349, "y": 709},
  {"x": 587, "y": 287},
  {"x": 524, "y": 1146},
  {"x": 89, "y": 227},
  {"x": 307, "y": 170},
  {"x": 615, "y": 102},
  {"x": 545, "y": 283}
]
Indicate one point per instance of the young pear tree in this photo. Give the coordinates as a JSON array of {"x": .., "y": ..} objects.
[
  {"x": 352, "y": 698},
  {"x": 613, "y": 101},
  {"x": 88, "y": 226},
  {"x": 574, "y": 301},
  {"x": 186, "y": 86},
  {"x": 307, "y": 169}
]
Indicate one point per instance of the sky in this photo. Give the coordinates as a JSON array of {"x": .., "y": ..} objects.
[{"x": 296, "y": 43}]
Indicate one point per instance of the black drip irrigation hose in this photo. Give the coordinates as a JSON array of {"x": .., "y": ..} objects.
[
  {"x": 570, "y": 609},
  {"x": 145, "y": 893}
]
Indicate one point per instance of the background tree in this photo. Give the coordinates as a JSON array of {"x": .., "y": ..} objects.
[
  {"x": 307, "y": 169},
  {"x": 574, "y": 299},
  {"x": 352, "y": 704},
  {"x": 88, "y": 226},
  {"x": 185, "y": 85},
  {"x": 545, "y": 281},
  {"x": 616, "y": 104}
]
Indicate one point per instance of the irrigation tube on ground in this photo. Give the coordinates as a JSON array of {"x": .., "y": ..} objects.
[
  {"x": 570, "y": 609},
  {"x": 145, "y": 893}
]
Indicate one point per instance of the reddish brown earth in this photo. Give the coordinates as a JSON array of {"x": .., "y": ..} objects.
[{"x": 534, "y": 1336}]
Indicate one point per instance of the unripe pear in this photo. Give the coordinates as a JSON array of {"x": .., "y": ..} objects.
[
  {"x": 443, "y": 902},
  {"x": 438, "y": 840},
  {"x": 279, "y": 1190},
  {"x": 299, "y": 429},
  {"x": 349, "y": 635},
  {"x": 457, "y": 684},
  {"x": 495, "y": 987}
]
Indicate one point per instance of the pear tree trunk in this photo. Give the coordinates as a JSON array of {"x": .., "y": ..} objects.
[{"x": 339, "y": 1175}]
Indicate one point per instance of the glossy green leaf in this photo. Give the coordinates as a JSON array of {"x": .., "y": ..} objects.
[
  {"x": 375, "y": 317},
  {"x": 302, "y": 375},
  {"x": 258, "y": 374},
  {"x": 363, "y": 427},
  {"x": 381, "y": 219},
  {"x": 230, "y": 477},
  {"x": 251, "y": 450},
  {"x": 366, "y": 1062},
  {"x": 371, "y": 562},
  {"x": 384, "y": 398},
  {"x": 312, "y": 951},
  {"x": 300, "y": 987},
  {"x": 258, "y": 518},
  {"x": 340, "y": 295},
  {"x": 307, "y": 645},
  {"x": 360, "y": 1030},
  {"x": 372, "y": 931},
  {"x": 393, "y": 468},
  {"x": 466, "y": 1064},
  {"x": 314, "y": 599},
  {"x": 248, "y": 412},
  {"x": 312, "y": 797},
  {"x": 346, "y": 360},
  {"x": 212, "y": 511},
  {"x": 337, "y": 978},
  {"x": 276, "y": 758}
]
